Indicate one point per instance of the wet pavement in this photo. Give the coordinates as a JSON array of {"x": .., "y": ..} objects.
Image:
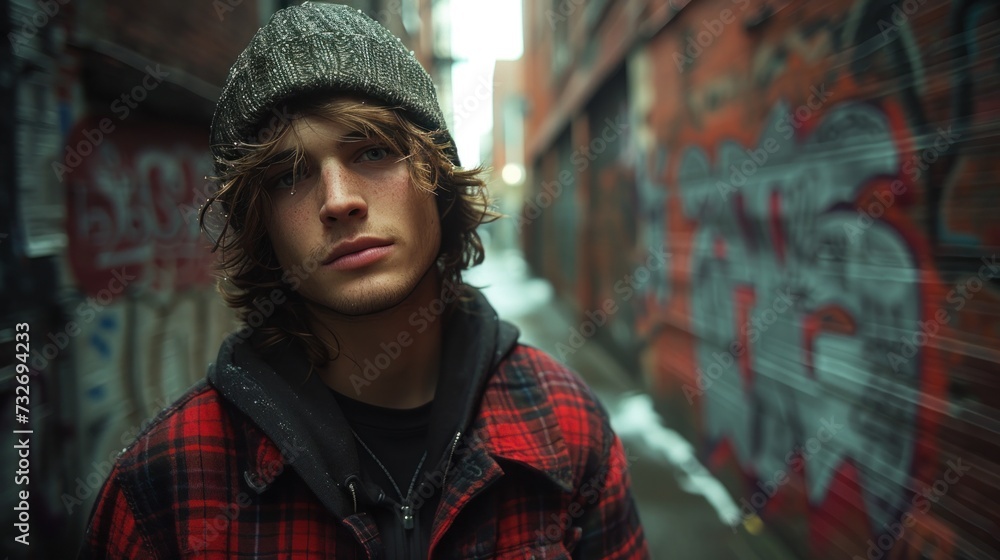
[{"x": 687, "y": 514}]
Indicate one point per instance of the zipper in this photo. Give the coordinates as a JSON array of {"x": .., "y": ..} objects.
[
  {"x": 447, "y": 466},
  {"x": 406, "y": 510},
  {"x": 354, "y": 495},
  {"x": 409, "y": 541}
]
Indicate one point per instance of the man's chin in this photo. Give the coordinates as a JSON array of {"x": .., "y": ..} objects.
[
  {"x": 367, "y": 303},
  {"x": 364, "y": 307},
  {"x": 370, "y": 299},
  {"x": 372, "y": 295}
]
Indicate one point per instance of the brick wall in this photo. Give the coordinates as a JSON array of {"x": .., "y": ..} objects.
[{"x": 825, "y": 326}]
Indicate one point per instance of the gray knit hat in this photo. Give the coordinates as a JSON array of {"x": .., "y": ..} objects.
[{"x": 320, "y": 48}]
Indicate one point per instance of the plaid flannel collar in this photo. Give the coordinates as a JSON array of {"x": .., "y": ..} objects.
[{"x": 516, "y": 422}]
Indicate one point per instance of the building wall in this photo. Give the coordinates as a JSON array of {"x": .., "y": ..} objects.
[
  {"x": 825, "y": 321},
  {"x": 202, "y": 38},
  {"x": 112, "y": 126}
]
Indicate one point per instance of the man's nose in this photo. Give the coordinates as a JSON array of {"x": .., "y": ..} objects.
[{"x": 343, "y": 197}]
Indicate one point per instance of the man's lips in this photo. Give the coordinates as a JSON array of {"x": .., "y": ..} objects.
[{"x": 357, "y": 253}]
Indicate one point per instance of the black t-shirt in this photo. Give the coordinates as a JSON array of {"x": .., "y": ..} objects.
[{"x": 398, "y": 437}]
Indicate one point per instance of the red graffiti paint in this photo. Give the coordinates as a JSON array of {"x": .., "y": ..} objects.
[{"x": 133, "y": 197}]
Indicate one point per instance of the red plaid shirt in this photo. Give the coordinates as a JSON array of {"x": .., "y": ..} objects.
[{"x": 539, "y": 474}]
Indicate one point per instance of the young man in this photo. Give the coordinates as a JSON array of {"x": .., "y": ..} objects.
[{"x": 371, "y": 406}]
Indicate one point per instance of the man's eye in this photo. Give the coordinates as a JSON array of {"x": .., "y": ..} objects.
[
  {"x": 287, "y": 179},
  {"x": 374, "y": 154}
]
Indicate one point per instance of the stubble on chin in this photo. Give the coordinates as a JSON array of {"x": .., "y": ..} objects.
[
  {"x": 374, "y": 299},
  {"x": 367, "y": 297}
]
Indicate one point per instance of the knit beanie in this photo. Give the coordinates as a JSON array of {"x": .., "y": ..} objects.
[{"x": 318, "y": 48}]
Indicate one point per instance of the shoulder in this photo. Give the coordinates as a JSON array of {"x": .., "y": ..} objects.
[
  {"x": 194, "y": 433},
  {"x": 562, "y": 394},
  {"x": 563, "y": 387},
  {"x": 137, "y": 507}
]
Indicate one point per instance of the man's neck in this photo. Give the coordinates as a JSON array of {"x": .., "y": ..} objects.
[{"x": 391, "y": 358}]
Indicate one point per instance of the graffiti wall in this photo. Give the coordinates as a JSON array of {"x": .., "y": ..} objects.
[
  {"x": 133, "y": 206},
  {"x": 827, "y": 330},
  {"x": 142, "y": 320}
]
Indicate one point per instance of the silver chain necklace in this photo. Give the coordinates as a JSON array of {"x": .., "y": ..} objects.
[{"x": 405, "y": 508}]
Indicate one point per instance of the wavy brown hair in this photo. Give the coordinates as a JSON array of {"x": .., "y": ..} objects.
[{"x": 235, "y": 216}]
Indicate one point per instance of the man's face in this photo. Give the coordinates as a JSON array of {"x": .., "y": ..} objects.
[{"x": 351, "y": 211}]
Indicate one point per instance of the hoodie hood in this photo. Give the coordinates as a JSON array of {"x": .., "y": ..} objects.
[{"x": 297, "y": 411}]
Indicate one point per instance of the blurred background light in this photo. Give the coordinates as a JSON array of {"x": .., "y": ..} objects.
[{"x": 513, "y": 173}]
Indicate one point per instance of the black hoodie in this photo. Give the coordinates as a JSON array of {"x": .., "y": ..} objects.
[{"x": 297, "y": 411}]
